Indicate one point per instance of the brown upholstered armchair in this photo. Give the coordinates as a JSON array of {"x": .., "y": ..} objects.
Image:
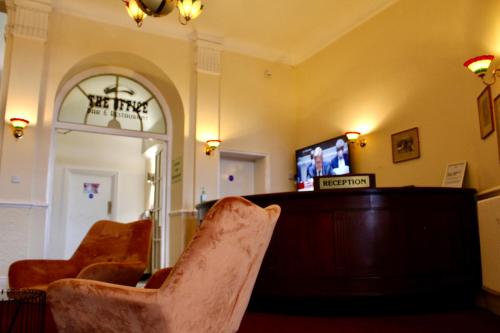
[
  {"x": 206, "y": 291},
  {"x": 111, "y": 251}
]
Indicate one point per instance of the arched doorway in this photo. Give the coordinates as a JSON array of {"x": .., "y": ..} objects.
[{"x": 107, "y": 121}]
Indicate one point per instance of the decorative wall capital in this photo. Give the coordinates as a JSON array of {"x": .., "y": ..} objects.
[
  {"x": 208, "y": 54},
  {"x": 28, "y": 18}
]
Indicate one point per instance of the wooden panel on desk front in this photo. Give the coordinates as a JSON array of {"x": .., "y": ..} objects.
[{"x": 370, "y": 242}]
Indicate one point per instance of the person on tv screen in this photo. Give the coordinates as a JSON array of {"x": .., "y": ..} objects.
[
  {"x": 340, "y": 162},
  {"x": 318, "y": 167}
]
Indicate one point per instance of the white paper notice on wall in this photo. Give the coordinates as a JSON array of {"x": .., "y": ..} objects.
[
  {"x": 177, "y": 170},
  {"x": 454, "y": 174}
]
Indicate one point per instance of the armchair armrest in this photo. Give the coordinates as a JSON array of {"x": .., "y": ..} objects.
[
  {"x": 29, "y": 273},
  {"x": 123, "y": 273},
  {"x": 81, "y": 306}
]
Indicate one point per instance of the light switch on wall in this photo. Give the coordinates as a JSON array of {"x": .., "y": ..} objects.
[{"x": 15, "y": 179}]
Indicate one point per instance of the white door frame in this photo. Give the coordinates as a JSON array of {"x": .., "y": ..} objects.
[
  {"x": 249, "y": 156},
  {"x": 166, "y": 139}
]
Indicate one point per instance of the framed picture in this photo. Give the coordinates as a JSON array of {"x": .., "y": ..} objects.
[
  {"x": 496, "y": 108},
  {"x": 454, "y": 174},
  {"x": 485, "y": 109},
  {"x": 405, "y": 145}
]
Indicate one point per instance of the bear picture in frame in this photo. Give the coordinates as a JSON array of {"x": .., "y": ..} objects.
[
  {"x": 496, "y": 110},
  {"x": 405, "y": 145}
]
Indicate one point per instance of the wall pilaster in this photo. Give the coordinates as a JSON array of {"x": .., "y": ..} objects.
[
  {"x": 26, "y": 37},
  {"x": 208, "y": 85}
]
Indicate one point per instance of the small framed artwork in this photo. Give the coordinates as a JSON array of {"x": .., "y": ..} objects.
[
  {"x": 485, "y": 109},
  {"x": 405, "y": 145},
  {"x": 454, "y": 174},
  {"x": 496, "y": 108}
]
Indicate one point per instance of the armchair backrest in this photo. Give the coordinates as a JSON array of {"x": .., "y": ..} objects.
[
  {"x": 209, "y": 288},
  {"x": 108, "y": 241}
]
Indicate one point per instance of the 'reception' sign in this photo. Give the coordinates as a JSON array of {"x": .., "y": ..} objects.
[{"x": 344, "y": 182}]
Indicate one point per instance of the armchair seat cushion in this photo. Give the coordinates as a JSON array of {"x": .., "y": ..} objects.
[
  {"x": 119, "y": 308},
  {"x": 29, "y": 273}
]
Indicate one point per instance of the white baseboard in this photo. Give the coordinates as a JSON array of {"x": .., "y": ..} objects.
[{"x": 3, "y": 282}]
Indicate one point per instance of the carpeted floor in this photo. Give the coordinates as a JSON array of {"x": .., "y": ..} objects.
[{"x": 458, "y": 321}]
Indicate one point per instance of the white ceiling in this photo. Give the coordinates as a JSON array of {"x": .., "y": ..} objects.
[{"x": 287, "y": 31}]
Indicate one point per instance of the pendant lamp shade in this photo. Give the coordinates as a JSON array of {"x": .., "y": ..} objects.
[{"x": 157, "y": 7}]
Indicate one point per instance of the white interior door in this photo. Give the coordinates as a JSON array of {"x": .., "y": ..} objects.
[
  {"x": 89, "y": 197},
  {"x": 237, "y": 177}
]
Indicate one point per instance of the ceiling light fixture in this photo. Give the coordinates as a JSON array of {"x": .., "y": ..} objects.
[
  {"x": 136, "y": 13},
  {"x": 140, "y": 9},
  {"x": 480, "y": 65},
  {"x": 189, "y": 10},
  {"x": 157, "y": 8}
]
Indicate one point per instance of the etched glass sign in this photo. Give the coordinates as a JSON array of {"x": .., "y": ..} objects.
[{"x": 113, "y": 101}]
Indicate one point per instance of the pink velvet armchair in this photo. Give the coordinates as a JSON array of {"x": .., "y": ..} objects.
[
  {"x": 207, "y": 291},
  {"x": 111, "y": 251}
]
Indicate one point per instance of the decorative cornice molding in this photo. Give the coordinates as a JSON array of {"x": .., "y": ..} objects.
[
  {"x": 29, "y": 18},
  {"x": 208, "y": 54}
]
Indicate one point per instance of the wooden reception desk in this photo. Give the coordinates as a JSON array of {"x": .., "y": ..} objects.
[{"x": 378, "y": 243}]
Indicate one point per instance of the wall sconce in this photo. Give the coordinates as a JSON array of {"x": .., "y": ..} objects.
[
  {"x": 480, "y": 65},
  {"x": 18, "y": 125},
  {"x": 211, "y": 146},
  {"x": 353, "y": 137}
]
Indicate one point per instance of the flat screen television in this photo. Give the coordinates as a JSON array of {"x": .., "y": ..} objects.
[{"x": 330, "y": 157}]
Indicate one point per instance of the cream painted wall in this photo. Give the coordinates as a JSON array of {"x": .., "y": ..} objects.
[
  {"x": 3, "y": 21},
  {"x": 77, "y": 150},
  {"x": 22, "y": 97},
  {"x": 20, "y": 236},
  {"x": 75, "y": 44},
  {"x": 258, "y": 113},
  {"x": 167, "y": 63},
  {"x": 401, "y": 69}
]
